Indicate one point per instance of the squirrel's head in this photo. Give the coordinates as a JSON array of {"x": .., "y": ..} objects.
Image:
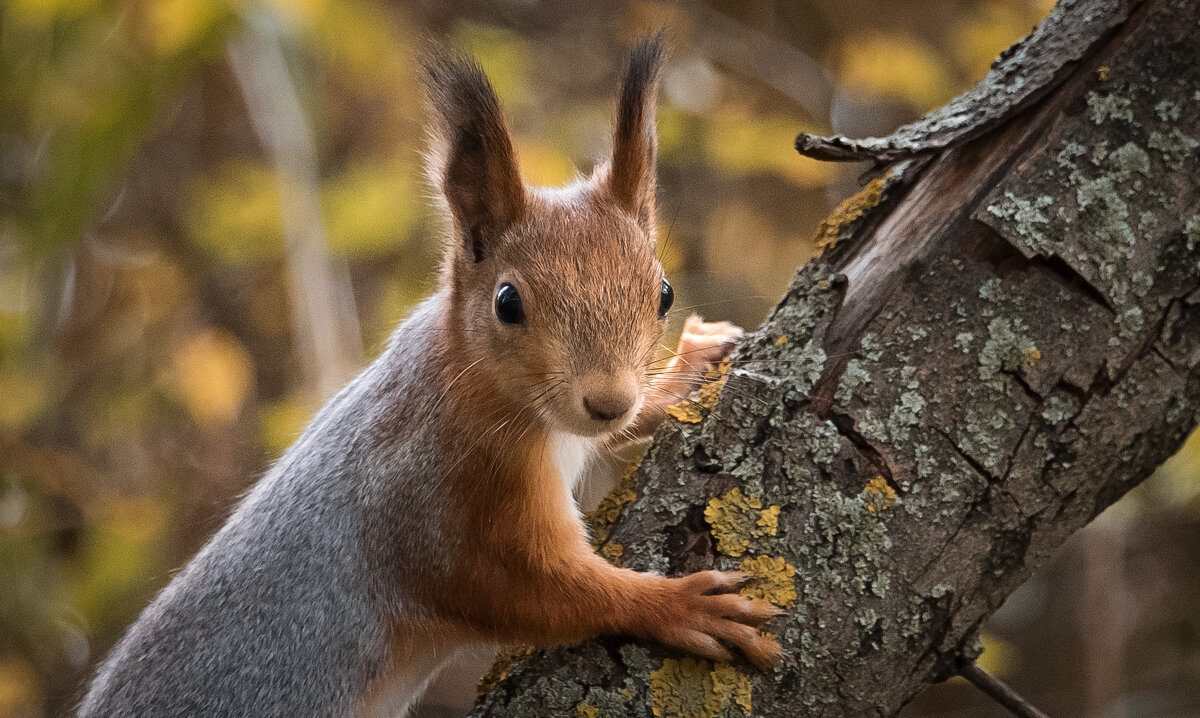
[{"x": 558, "y": 292}]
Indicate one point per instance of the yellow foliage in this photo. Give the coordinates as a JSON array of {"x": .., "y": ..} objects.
[
  {"x": 121, "y": 553},
  {"x": 775, "y": 580},
  {"x": 282, "y": 422},
  {"x": 503, "y": 54},
  {"x": 213, "y": 374},
  {"x": 542, "y": 165},
  {"x": 369, "y": 210},
  {"x": 24, "y": 395},
  {"x": 999, "y": 658},
  {"x": 1177, "y": 482},
  {"x": 38, "y": 14},
  {"x": 990, "y": 29},
  {"x": 234, "y": 214},
  {"x": 743, "y": 143},
  {"x": 363, "y": 41},
  {"x": 669, "y": 251},
  {"x": 170, "y": 26},
  {"x": 693, "y": 688},
  {"x": 895, "y": 66},
  {"x": 20, "y": 693},
  {"x": 743, "y": 241}
]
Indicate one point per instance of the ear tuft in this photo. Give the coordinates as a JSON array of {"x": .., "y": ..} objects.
[
  {"x": 471, "y": 158},
  {"x": 632, "y": 174}
]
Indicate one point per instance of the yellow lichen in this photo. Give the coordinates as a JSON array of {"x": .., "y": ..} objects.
[
  {"x": 693, "y": 688},
  {"x": 736, "y": 519},
  {"x": 499, "y": 670},
  {"x": 1032, "y": 354},
  {"x": 847, "y": 213},
  {"x": 732, "y": 685},
  {"x": 879, "y": 494},
  {"x": 600, "y": 519},
  {"x": 613, "y": 552},
  {"x": 1102, "y": 72},
  {"x": 774, "y": 580},
  {"x": 768, "y": 523},
  {"x": 690, "y": 411},
  {"x": 587, "y": 711},
  {"x": 783, "y": 339},
  {"x": 685, "y": 412}
]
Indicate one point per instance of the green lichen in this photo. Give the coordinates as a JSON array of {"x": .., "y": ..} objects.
[
  {"x": 963, "y": 340},
  {"x": 1058, "y": 408},
  {"x": 905, "y": 416},
  {"x": 1175, "y": 147},
  {"x": 1108, "y": 106},
  {"x": 847, "y": 543},
  {"x": 601, "y": 703},
  {"x": 853, "y": 378},
  {"x": 1130, "y": 322},
  {"x": 1191, "y": 230},
  {"x": 1167, "y": 111},
  {"x": 1024, "y": 214},
  {"x": 1129, "y": 159},
  {"x": 1008, "y": 348}
]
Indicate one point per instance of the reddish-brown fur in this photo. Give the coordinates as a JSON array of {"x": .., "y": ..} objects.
[{"x": 584, "y": 263}]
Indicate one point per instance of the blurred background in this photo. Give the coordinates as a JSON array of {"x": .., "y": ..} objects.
[{"x": 212, "y": 213}]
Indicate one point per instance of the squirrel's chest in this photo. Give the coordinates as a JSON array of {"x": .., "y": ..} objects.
[{"x": 571, "y": 454}]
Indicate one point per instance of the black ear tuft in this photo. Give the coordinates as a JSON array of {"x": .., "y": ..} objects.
[
  {"x": 632, "y": 175},
  {"x": 471, "y": 158}
]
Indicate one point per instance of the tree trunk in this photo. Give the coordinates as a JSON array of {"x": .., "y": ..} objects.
[{"x": 1004, "y": 340}]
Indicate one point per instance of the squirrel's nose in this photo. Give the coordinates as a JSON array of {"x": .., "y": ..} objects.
[{"x": 608, "y": 406}]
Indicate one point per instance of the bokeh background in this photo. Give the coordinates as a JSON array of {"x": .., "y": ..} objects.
[{"x": 212, "y": 213}]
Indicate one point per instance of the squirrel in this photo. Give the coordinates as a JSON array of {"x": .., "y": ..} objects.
[{"x": 428, "y": 506}]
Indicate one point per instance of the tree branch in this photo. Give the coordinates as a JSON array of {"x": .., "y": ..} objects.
[{"x": 1003, "y": 343}]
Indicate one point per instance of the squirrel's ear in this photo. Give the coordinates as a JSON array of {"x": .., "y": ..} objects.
[
  {"x": 471, "y": 157},
  {"x": 632, "y": 174}
]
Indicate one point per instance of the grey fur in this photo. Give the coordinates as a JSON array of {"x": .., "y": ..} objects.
[{"x": 281, "y": 613}]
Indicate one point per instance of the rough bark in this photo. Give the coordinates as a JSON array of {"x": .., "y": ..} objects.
[{"x": 1004, "y": 340}]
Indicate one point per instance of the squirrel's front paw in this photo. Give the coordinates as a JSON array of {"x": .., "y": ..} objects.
[
  {"x": 702, "y": 346},
  {"x": 708, "y": 610}
]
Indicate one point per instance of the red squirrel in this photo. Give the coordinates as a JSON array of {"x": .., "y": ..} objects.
[{"x": 429, "y": 504}]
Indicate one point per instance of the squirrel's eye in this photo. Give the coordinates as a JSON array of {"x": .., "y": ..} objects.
[
  {"x": 508, "y": 305},
  {"x": 665, "y": 299}
]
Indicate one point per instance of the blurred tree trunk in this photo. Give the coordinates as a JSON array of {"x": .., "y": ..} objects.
[{"x": 1004, "y": 340}]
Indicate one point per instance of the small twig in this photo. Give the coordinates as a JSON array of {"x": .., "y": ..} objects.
[
  {"x": 326, "y": 326},
  {"x": 1000, "y": 692}
]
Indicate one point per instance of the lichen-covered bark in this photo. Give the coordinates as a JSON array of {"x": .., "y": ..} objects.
[
  {"x": 1018, "y": 78},
  {"x": 1004, "y": 344}
]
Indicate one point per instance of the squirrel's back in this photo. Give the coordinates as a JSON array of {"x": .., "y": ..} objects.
[{"x": 280, "y": 588}]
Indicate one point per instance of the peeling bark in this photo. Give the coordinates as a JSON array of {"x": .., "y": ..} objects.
[{"x": 1001, "y": 346}]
